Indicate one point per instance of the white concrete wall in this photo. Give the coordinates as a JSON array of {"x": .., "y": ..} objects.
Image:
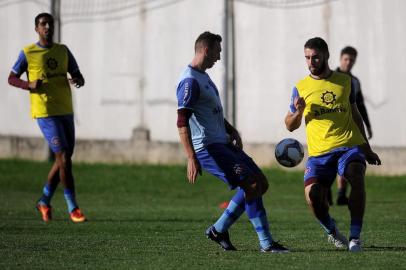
[{"x": 131, "y": 60}]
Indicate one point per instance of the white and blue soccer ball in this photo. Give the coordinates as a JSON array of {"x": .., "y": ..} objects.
[{"x": 289, "y": 152}]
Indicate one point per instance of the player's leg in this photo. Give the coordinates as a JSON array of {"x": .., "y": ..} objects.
[
  {"x": 218, "y": 162},
  {"x": 352, "y": 165},
  {"x": 319, "y": 175},
  {"x": 342, "y": 198},
  {"x": 64, "y": 158},
  {"x": 49, "y": 129},
  {"x": 316, "y": 197},
  {"x": 255, "y": 184}
]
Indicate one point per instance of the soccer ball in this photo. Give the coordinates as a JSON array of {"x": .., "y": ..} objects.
[{"x": 289, "y": 152}]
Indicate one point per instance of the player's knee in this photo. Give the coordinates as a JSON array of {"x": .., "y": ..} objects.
[
  {"x": 264, "y": 185},
  {"x": 62, "y": 159},
  {"x": 355, "y": 174},
  {"x": 315, "y": 194}
]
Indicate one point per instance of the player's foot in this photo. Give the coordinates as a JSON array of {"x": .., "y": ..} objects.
[
  {"x": 223, "y": 239},
  {"x": 338, "y": 239},
  {"x": 275, "y": 248},
  {"x": 45, "y": 211},
  {"x": 342, "y": 200},
  {"x": 77, "y": 216},
  {"x": 355, "y": 245}
]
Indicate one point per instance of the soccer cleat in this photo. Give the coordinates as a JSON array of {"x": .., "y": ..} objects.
[
  {"x": 223, "y": 239},
  {"x": 338, "y": 239},
  {"x": 275, "y": 248},
  {"x": 77, "y": 216},
  {"x": 342, "y": 200},
  {"x": 45, "y": 211},
  {"x": 355, "y": 245}
]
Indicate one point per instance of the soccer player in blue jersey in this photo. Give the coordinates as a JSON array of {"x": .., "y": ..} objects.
[
  {"x": 213, "y": 144},
  {"x": 47, "y": 64},
  {"x": 335, "y": 138}
]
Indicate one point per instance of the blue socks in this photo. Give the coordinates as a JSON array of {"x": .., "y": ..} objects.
[
  {"x": 355, "y": 228},
  {"x": 47, "y": 193},
  {"x": 328, "y": 224},
  {"x": 234, "y": 210},
  {"x": 70, "y": 199},
  {"x": 257, "y": 215}
]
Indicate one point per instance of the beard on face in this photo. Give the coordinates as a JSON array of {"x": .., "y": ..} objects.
[{"x": 319, "y": 70}]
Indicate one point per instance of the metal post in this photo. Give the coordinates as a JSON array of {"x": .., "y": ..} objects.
[
  {"x": 56, "y": 13},
  {"x": 225, "y": 59}
]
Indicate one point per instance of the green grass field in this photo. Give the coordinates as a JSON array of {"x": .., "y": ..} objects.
[{"x": 149, "y": 217}]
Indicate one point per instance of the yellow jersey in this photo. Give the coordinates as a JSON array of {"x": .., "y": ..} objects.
[
  {"x": 50, "y": 65},
  {"x": 328, "y": 115}
]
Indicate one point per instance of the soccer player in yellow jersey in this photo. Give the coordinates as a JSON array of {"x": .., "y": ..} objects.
[
  {"x": 47, "y": 64},
  {"x": 335, "y": 138}
]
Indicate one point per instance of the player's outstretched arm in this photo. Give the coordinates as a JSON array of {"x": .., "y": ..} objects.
[
  {"x": 235, "y": 137},
  {"x": 371, "y": 157},
  {"x": 293, "y": 120},
  {"x": 193, "y": 165},
  {"x": 14, "y": 80}
]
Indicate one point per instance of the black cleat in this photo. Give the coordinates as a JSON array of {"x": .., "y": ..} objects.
[
  {"x": 275, "y": 248},
  {"x": 223, "y": 239},
  {"x": 342, "y": 200}
]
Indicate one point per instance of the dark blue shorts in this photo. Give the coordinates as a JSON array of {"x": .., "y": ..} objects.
[
  {"x": 59, "y": 131},
  {"x": 227, "y": 162},
  {"x": 325, "y": 167}
]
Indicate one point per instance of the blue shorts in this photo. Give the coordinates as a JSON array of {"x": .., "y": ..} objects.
[
  {"x": 59, "y": 131},
  {"x": 325, "y": 167},
  {"x": 227, "y": 162}
]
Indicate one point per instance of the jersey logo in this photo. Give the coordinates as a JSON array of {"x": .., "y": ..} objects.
[
  {"x": 52, "y": 63},
  {"x": 328, "y": 97}
]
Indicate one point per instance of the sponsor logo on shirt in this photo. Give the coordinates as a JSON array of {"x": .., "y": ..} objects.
[
  {"x": 52, "y": 63},
  {"x": 328, "y": 97}
]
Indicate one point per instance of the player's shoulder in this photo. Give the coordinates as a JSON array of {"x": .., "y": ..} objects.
[
  {"x": 355, "y": 79},
  {"x": 303, "y": 82},
  {"x": 341, "y": 76},
  {"x": 30, "y": 47},
  {"x": 191, "y": 74}
]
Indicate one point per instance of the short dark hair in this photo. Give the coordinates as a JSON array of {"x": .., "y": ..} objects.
[
  {"x": 207, "y": 39},
  {"x": 317, "y": 43},
  {"x": 349, "y": 50},
  {"x": 41, "y": 15}
]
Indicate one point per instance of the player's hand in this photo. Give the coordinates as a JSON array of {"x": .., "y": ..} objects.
[
  {"x": 235, "y": 139},
  {"x": 370, "y": 156},
  {"x": 373, "y": 159},
  {"x": 193, "y": 168},
  {"x": 369, "y": 131},
  {"x": 34, "y": 85},
  {"x": 77, "y": 82},
  {"x": 300, "y": 104}
]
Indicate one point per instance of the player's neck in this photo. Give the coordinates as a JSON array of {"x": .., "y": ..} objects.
[
  {"x": 198, "y": 64},
  {"x": 325, "y": 74},
  {"x": 45, "y": 43}
]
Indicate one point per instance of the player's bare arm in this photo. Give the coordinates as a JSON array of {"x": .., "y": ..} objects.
[
  {"x": 193, "y": 165},
  {"x": 235, "y": 137},
  {"x": 294, "y": 120},
  {"x": 14, "y": 80},
  {"x": 370, "y": 156}
]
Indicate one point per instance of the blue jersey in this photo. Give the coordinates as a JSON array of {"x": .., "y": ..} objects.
[{"x": 197, "y": 92}]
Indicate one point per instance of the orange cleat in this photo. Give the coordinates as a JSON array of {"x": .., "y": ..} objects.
[
  {"x": 77, "y": 216},
  {"x": 223, "y": 205},
  {"x": 46, "y": 212}
]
